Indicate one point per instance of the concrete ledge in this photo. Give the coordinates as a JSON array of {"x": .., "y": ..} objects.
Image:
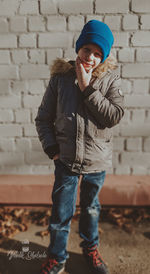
[{"x": 36, "y": 189}]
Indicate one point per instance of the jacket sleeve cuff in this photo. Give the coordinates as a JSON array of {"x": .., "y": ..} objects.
[
  {"x": 51, "y": 151},
  {"x": 88, "y": 91}
]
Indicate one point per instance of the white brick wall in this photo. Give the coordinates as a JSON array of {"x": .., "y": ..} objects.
[
  {"x": 113, "y": 6},
  {"x": 34, "y": 33},
  {"x": 4, "y": 57}
]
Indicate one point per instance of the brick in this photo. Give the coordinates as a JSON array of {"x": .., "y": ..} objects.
[
  {"x": 56, "y": 23},
  {"x": 52, "y": 54},
  {"x": 36, "y": 87},
  {"x": 135, "y": 158},
  {"x": 139, "y": 101},
  {"x": 31, "y": 101},
  {"x": 46, "y": 81},
  {"x": 8, "y": 41},
  {"x": 34, "y": 72},
  {"x": 12, "y": 101},
  {"x": 6, "y": 116},
  {"x": 10, "y": 130},
  {"x": 34, "y": 114},
  {"x": 141, "y": 86},
  {"x": 145, "y": 22},
  {"x": 36, "y": 56},
  {"x": 30, "y": 130},
  {"x": 27, "y": 40},
  {"x": 94, "y": 16},
  {"x": 139, "y": 170},
  {"x": 36, "y": 23},
  {"x": 7, "y": 144},
  {"x": 126, "y": 118},
  {"x": 57, "y": 39},
  {"x": 19, "y": 87},
  {"x": 135, "y": 130},
  {"x": 8, "y": 8},
  {"x": 114, "y": 53},
  {"x": 36, "y": 157},
  {"x": 76, "y": 36},
  {"x": 141, "y": 38},
  {"x": 4, "y": 87},
  {"x": 4, "y": 57},
  {"x": 19, "y": 56},
  {"x": 130, "y": 22},
  {"x": 113, "y": 6},
  {"x": 115, "y": 159},
  {"x": 121, "y": 39},
  {"x": 143, "y": 55},
  {"x": 76, "y": 7},
  {"x": 70, "y": 54},
  {"x": 118, "y": 144},
  {"x": 126, "y": 55},
  {"x": 140, "y": 6},
  {"x": 8, "y": 72},
  {"x": 23, "y": 145},
  {"x": 38, "y": 169},
  {"x": 116, "y": 130},
  {"x": 138, "y": 116},
  {"x": 126, "y": 86},
  {"x": 18, "y": 24},
  {"x": 147, "y": 144},
  {"x": 36, "y": 144},
  {"x": 11, "y": 158},
  {"x": 19, "y": 169},
  {"x": 48, "y": 7},
  {"x": 122, "y": 170},
  {"x": 23, "y": 169},
  {"x": 134, "y": 144},
  {"x": 114, "y": 22},
  {"x": 22, "y": 116},
  {"x": 3, "y": 25},
  {"x": 75, "y": 23},
  {"x": 135, "y": 70},
  {"x": 29, "y": 7},
  {"x": 147, "y": 118}
]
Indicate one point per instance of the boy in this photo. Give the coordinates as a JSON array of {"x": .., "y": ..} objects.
[{"x": 82, "y": 103}]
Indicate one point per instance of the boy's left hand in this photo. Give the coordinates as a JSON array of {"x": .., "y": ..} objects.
[{"x": 82, "y": 76}]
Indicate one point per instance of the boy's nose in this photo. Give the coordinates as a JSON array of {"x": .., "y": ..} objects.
[{"x": 90, "y": 56}]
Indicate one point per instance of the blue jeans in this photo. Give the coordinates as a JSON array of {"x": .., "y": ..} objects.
[{"x": 64, "y": 205}]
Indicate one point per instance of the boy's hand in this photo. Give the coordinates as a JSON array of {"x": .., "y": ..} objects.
[
  {"x": 82, "y": 76},
  {"x": 56, "y": 157}
]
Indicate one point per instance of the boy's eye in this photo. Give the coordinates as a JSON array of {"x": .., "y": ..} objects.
[
  {"x": 86, "y": 49},
  {"x": 97, "y": 54}
]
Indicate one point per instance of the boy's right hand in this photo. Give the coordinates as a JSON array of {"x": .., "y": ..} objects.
[
  {"x": 56, "y": 157},
  {"x": 83, "y": 76}
]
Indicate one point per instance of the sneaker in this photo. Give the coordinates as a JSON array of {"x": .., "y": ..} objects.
[
  {"x": 51, "y": 266},
  {"x": 94, "y": 260}
]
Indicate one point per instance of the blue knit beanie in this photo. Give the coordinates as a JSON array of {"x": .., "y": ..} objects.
[{"x": 98, "y": 33}]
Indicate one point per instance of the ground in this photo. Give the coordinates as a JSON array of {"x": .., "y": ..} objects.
[{"x": 123, "y": 252}]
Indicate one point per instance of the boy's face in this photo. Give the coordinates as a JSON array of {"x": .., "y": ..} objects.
[{"x": 90, "y": 56}]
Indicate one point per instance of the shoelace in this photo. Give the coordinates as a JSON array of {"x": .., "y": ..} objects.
[
  {"x": 48, "y": 264},
  {"x": 97, "y": 260}
]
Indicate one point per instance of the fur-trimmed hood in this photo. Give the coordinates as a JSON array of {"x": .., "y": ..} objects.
[{"x": 63, "y": 66}]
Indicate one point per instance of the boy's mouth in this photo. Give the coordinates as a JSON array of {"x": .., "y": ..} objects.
[{"x": 86, "y": 64}]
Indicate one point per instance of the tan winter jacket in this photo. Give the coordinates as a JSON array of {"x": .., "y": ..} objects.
[{"x": 78, "y": 125}]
